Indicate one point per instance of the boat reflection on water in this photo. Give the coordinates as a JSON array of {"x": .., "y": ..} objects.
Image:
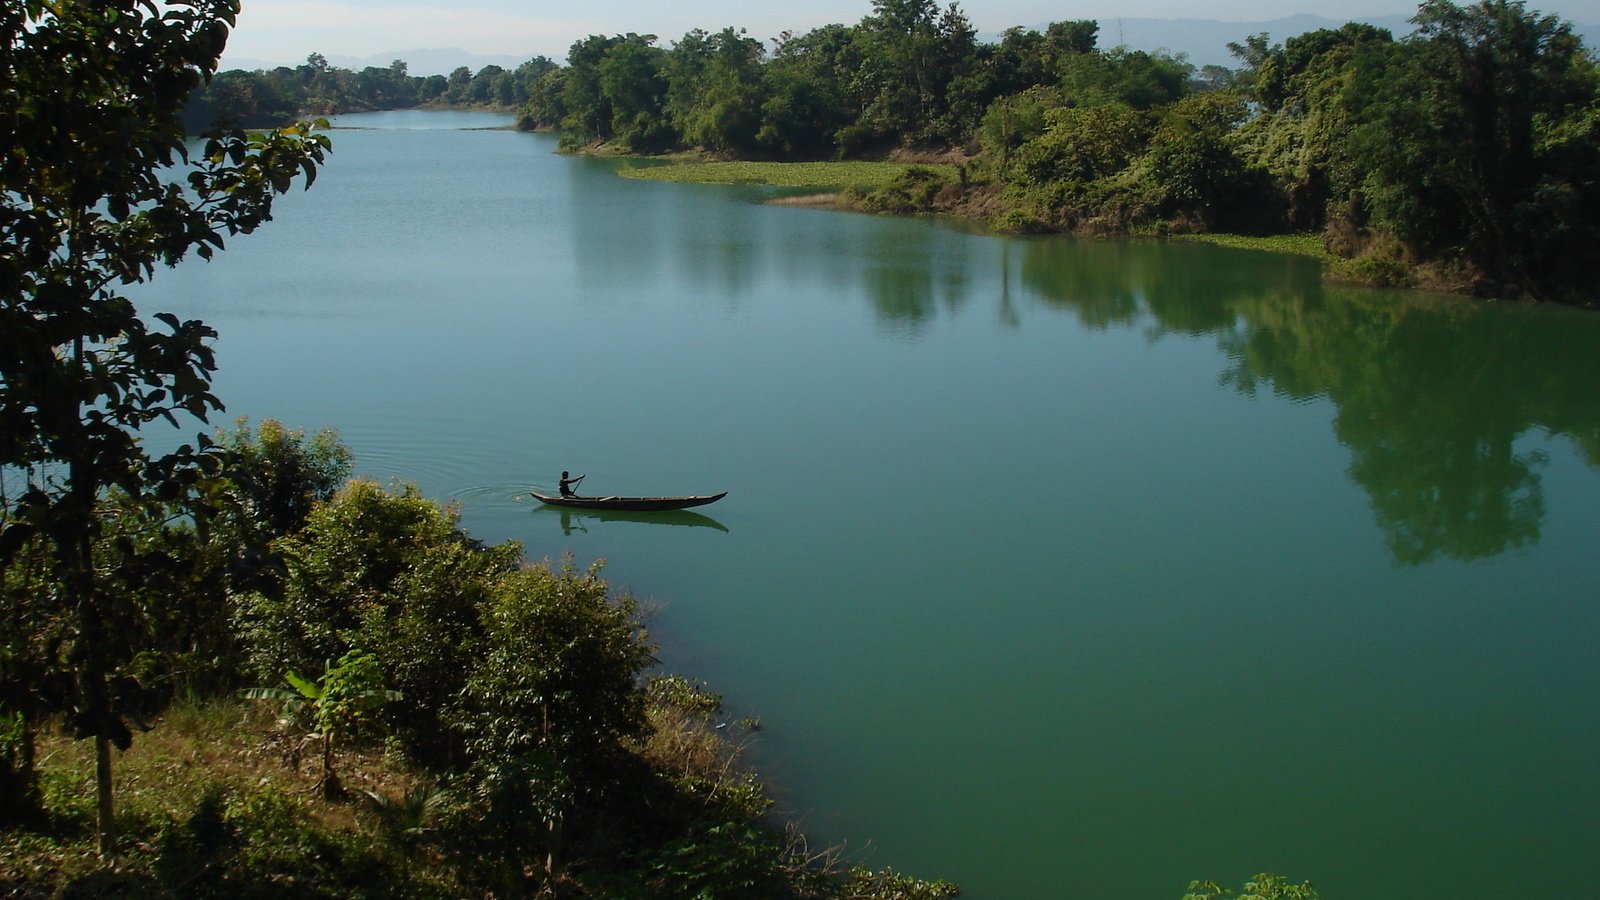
[{"x": 572, "y": 520}]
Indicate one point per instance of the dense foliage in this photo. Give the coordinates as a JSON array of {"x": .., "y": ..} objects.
[
  {"x": 276, "y": 96},
  {"x": 545, "y": 760},
  {"x": 99, "y": 186},
  {"x": 131, "y": 578},
  {"x": 1465, "y": 155},
  {"x": 542, "y": 759}
]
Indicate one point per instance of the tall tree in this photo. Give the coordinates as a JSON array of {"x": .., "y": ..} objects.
[
  {"x": 811, "y": 89},
  {"x": 1478, "y": 137},
  {"x": 586, "y": 111},
  {"x": 1301, "y": 135},
  {"x": 634, "y": 84},
  {"x": 911, "y": 54},
  {"x": 91, "y": 201},
  {"x": 714, "y": 92},
  {"x": 897, "y": 54}
]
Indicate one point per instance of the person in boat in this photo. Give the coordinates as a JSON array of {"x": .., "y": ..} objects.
[{"x": 568, "y": 483}]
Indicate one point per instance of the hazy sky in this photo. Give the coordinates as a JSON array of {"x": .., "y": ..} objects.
[{"x": 287, "y": 30}]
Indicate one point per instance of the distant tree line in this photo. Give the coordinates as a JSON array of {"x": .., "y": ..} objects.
[
  {"x": 1466, "y": 154},
  {"x": 277, "y": 96},
  {"x": 909, "y": 74}
]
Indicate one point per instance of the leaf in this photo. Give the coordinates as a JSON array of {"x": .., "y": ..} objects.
[
  {"x": 268, "y": 693},
  {"x": 308, "y": 689}
]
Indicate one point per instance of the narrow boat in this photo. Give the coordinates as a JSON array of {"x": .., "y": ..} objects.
[{"x": 637, "y": 504}]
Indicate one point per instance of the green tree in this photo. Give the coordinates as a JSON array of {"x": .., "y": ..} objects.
[
  {"x": 1139, "y": 79},
  {"x": 528, "y": 74},
  {"x": 432, "y": 88},
  {"x": 518, "y": 680},
  {"x": 484, "y": 87},
  {"x": 458, "y": 85},
  {"x": 1191, "y": 167},
  {"x": 1080, "y": 145},
  {"x": 338, "y": 707},
  {"x": 634, "y": 84},
  {"x": 1024, "y": 58},
  {"x": 911, "y": 54},
  {"x": 277, "y": 475},
  {"x": 90, "y": 200},
  {"x": 274, "y": 478},
  {"x": 586, "y": 110},
  {"x": 811, "y": 90},
  {"x": 714, "y": 92},
  {"x": 545, "y": 107},
  {"x": 1301, "y": 136},
  {"x": 385, "y": 88},
  {"x": 549, "y": 704},
  {"x": 1477, "y": 136},
  {"x": 394, "y": 574},
  {"x": 1012, "y": 121},
  {"x": 247, "y": 99}
]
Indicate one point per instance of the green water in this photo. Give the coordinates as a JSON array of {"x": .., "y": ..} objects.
[{"x": 1055, "y": 568}]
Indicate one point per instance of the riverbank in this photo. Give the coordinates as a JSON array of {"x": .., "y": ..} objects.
[
  {"x": 828, "y": 178},
  {"x": 850, "y": 186},
  {"x": 481, "y": 726},
  {"x": 221, "y": 794},
  {"x": 904, "y": 187}
]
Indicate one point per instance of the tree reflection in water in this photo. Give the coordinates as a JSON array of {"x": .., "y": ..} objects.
[{"x": 1432, "y": 394}]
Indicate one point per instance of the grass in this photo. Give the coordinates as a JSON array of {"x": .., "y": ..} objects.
[
  {"x": 217, "y": 800},
  {"x": 1308, "y": 244},
  {"x": 818, "y": 175},
  {"x": 213, "y": 801}
]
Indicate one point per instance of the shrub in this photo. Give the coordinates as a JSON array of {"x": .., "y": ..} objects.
[
  {"x": 278, "y": 475},
  {"x": 1265, "y": 886},
  {"x": 558, "y": 672},
  {"x": 342, "y": 569},
  {"x": 913, "y": 191}
]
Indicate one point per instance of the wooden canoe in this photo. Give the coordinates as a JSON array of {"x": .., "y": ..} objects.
[{"x": 637, "y": 504}]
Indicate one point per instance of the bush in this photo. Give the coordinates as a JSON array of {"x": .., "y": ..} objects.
[
  {"x": 558, "y": 673},
  {"x": 350, "y": 565},
  {"x": 1009, "y": 122},
  {"x": 1200, "y": 175},
  {"x": 278, "y": 475},
  {"x": 1377, "y": 270},
  {"x": 913, "y": 191},
  {"x": 1081, "y": 145},
  {"x": 1265, "y": 886},
  {"x": 1381, "y": 262}
]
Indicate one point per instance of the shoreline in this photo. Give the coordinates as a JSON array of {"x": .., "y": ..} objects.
[{"x": 868, "y": 190}]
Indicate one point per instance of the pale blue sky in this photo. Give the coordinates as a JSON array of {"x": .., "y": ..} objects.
[{"x": 287, "y": 30}]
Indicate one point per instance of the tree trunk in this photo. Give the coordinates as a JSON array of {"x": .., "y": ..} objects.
[
  {"x": 19, "y": 798},
  {"x": 332, "y": 789},
  {"x": 77, "y": 512},
  {"x": 105, "y": 812},
  {"x": 95, "y": 709}
]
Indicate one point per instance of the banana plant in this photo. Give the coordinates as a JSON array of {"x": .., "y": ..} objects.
[{"x": 340, "y": 705}]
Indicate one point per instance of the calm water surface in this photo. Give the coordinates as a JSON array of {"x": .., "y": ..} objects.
[{"x": 1055, "y": 568}]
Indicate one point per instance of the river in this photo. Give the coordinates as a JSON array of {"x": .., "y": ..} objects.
[{"x": 1056, "y": 568}]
